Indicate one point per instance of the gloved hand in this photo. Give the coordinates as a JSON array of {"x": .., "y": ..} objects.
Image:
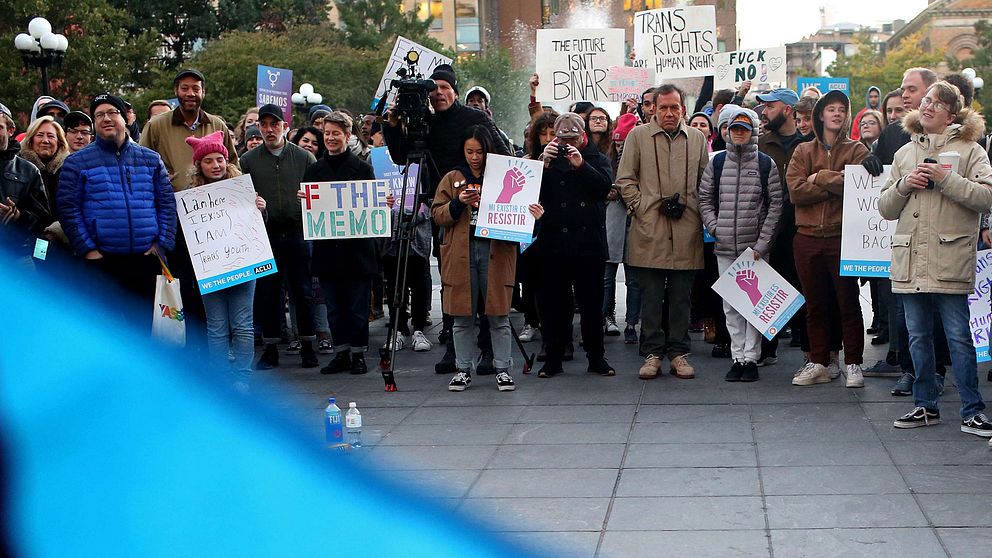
[{"x": 873, "y": 165}]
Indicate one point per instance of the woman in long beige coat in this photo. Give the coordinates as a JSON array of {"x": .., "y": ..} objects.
[{"x": 474, "y": 270}]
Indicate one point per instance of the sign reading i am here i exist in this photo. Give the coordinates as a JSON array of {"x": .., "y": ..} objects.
[
  {"x": 510, "y": 186},
  {"x": 980, "y": 306},
  {"x": 427, "y": 60},
  {"x": 275, "y": 86},
  {"x": 759, "y": 293},
  {"x": 386, "y": 169},
  {"x": 573, "y": 63},
  {"x": 338, "y": 210},
  {"x": 865, "y": 237},
  {"x": 225, "y": 233},
  {"x": 763, "y": 67},
  {"x": 676, "y": 42}
]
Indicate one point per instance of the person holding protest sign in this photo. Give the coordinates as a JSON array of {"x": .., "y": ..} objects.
[
  {"x": 230, "y": 313},
  {"x": 486, "y": 283},
  {"x": 939, "y": 185},
  {"x": 815, "y": 179},
  {"x": 740, "y": 200}
]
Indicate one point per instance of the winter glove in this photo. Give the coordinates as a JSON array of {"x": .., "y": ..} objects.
[{"x": 873, "y": 165}]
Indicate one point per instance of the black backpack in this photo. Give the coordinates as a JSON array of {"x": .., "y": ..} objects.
[{"x": 764, "y": 169}]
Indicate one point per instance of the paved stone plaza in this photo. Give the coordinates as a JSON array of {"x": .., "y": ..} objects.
[{"x": 582, "y": 465}]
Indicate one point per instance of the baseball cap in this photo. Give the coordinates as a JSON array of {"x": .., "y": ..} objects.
[
  {"x": 481, "y": 91},
  {"x": 56, "y": 104},
  {"x": 252, "y": 132},
  {"x": 271, "y": 110},
  {"x": 188, "y": 72},
  {"x": 786, "y": 96},
  {"x": 742, "y": 121},
  {"x": 77, "y": 118},
  {"x": 569, "y": 125}
]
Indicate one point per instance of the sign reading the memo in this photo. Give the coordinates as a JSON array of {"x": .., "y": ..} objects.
[
  {"x": 573, "y": 63},
  {"x": 336, "y": 210},
  {"x": 980, "y": 306},
  {"x": 510, "y": 186},
  {"x": 865, "y": 237},
  {"x": 275, "y": 86},
  {"x": 225, "y": 233},
  {"x": 625, "y": 82},
  {"x": 759, "y": 293},
  {"x": 676, "y": 42},
  {"x": 386, "y": 169},
  {"x": 426, "y": 62},
  {"x": 763, "y": 67}
]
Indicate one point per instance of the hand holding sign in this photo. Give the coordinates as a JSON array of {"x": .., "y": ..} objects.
[{"x": 513, "y": 183}]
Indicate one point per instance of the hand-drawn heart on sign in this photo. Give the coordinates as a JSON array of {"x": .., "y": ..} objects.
[
  {"x": 775, "y": 63},
  {"x": 722, "y": 71}
]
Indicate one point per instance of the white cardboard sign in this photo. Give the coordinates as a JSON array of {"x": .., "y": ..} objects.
[
  {"x": 428, "y": 60},
  {"x": 865, "y": 237},
  {"x": 980, "y": 306},
  {"x": 573, "y": 64},
  {"x": 763, "y": 67},
  {"x": 351, "y": 209},
  {"x": 676, "y": 42}
]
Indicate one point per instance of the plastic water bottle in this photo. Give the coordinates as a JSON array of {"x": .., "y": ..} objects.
[
  {"x": 332, "y": 423},
  {"x": 353, "y": 425}
]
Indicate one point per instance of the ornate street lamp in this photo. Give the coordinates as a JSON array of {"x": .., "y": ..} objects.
[
  {"x": 41, "y": 48},
  {"x": 306, "y": 98}
]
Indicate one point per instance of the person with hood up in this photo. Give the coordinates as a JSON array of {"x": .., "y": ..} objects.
[
  {"x": 933, "y": 247},
  {"x": 741, "y": 208},
  {"x": 873, "y": 101},
  {"x": 815, "y": 179}
]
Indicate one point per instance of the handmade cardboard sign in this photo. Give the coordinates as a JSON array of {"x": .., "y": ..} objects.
[
  {"x": 865, "y": 237},
  {"x": 763, "y": 67},
  {"x": 353, "y": 209},
  {"x": 625, "y": 82},
  {"x": 427, "y": 60},
  {"x": 980, "y": 306},
  {"x": 573, "y": 64},
  {"x": 759, "y": 293},
  {"x": 510, "y": 186},
  {"x": 676, "y": 42}
]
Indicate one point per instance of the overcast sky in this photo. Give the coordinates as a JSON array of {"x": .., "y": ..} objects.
[{"x": 760, "y": 22}]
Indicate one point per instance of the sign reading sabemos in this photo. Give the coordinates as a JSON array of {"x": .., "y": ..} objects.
[
  {"x": 676, "y": 42},
  {"x": 354, "y": 209},
  {"x": 865, "y": 238},
  {"x": 760, "y": 66},
  {"x": 980, "y": 306},
  {"x": 573, "y": 63},
  {"x": 225, "y": 233},
  {"x": 275, "y": 86},
  {"x": 510, "y": 186},
  {"x": 759, "y": 293},
  {"x": 427, "y": 61}
]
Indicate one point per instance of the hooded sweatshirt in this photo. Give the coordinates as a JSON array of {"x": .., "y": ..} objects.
[
  {"x": 820, "y": 202},
  {"x": 856, "y": 127}
]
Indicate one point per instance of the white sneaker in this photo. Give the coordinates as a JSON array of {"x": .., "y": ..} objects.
[
  {"x": 527, "y": 333},
  {"x": 612, "y": 329},
  {"x": 812, "y": 373},
  {"x": 855, "y": 377},
  {"x": 833, "y": 369},
  {"x": 400, "y": 341},
  {"x": 420, "y": 342}
]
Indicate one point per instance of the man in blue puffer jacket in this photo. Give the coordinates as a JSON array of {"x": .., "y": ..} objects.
[{"x": 117, "y": 203}]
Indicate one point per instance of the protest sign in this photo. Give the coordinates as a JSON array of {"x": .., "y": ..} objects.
[
  {"x": 625, "y": 82},
  {"x": 511, "y": 184},
  {"x": 824, "y": 84},
  {"x": 763, "y": 67},
  {"x": 676, "y": 42},
  {"x": 427, "y": 60},
  {"x": 338, "y": 210},
  {"x": 275, "y": 86},
  {"x": 225, "y": 233},
  {"x": 980, "y": 306},
  {"x": 386, "y": 169},
  {"x": 573, "y": 63},
  {"x": 759, "y": 293},
  {"x": 865, "y": 237}
]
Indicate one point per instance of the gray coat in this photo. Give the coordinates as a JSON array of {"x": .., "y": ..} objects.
[
  {"x": 741, "y": 219},
  {"x": 616, "y": 230}
]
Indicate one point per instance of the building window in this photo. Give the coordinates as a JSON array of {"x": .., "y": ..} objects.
[
  {"x": 433, "y": 9},
  {"x": 653, "y": 4},
  {"x": 467, "y": 26}
]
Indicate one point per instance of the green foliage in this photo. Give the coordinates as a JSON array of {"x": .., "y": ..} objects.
[
  {"x": 866, "y": 67},
  {"x": 102, "y": 56},
  {"x": 370, "y": 24},
  {"x": 982, "y": 63},
  {"x": 269, "y": 15},
  {"x": 507, "y": 85},
  {"x": 180, "y": 23}
]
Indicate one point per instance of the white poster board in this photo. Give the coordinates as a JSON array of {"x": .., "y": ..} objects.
[
  {"x": 676, "y": 42},
  {"x": 573, "y": 63},
  {"x": 759, "y": 293},
  {"x": 511, "y": 184},
  {"x": 427, "y": 61},
  {"x": 980, "y": 306},
  {"x": 626, "y": 82},
  {"x": 225, "y": 233},
  {"x": 865, "y": 237},
  {"x": 763, "y": 67},
  {"x": 340, "y": 210}
]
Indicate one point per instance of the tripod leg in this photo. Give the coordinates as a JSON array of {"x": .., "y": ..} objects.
[{"x": 528, "y": 361}]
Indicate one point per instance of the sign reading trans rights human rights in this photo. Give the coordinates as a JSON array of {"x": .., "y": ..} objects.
[
  {"x": 980, "y": 306},
  {"x": 225, "y": 233},
  {"x": 865, "y": 238},
  {"x": 510, "y": 186},
  {"x": 337, "y": 210},
  {"x": 676, "y": 42},
  {"x": 759, "y": 293},
  {"x": 573, "y": 64}
]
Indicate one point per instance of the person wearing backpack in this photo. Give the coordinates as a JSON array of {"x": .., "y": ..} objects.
[{"x": 740, "y": 201}]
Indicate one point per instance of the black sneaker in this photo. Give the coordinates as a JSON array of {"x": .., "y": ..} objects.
[
  {"x": 447, "y": 363},
  {"x": 735, "y": 373},
  {"x": 358, "y": 365},
  {"x": 308, "y": 356},
  {"x": 550, "y": 369},
  {"x": 504, "y": 382},
  {"x": 904, "y": 386},
  {"x": 630, "y": 335},
  {"x": 977, "y": 425},
  {"x": 598, "y": 365},
  {"x": 294, "y": 347},
  {"x": 485, "y": 366},
  {"x": 750, "y": 372},
  {"x": 340, "y": 363},
  {"x": 269, "y": 358},
  {"x": 720, "y": 350},
  {"x": 461, "y": 381},
  {"x": 920, "y": 416},
  {"x": 443, "y": 336}
]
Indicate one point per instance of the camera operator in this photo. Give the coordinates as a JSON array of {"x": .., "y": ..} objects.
[{"x": 446, "y": 127}]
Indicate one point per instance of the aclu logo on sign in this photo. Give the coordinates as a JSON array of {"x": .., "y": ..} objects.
[{"x": 263, "y": 268}]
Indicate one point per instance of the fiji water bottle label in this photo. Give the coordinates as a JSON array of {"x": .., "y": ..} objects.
[{"x": 334, "y": 431}]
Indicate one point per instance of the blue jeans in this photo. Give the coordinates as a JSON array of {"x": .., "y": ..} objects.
[
  {"x": 463, "y": 328},
  {"x": 953, "y": 310},
  {"x": 229, "y": 325}
]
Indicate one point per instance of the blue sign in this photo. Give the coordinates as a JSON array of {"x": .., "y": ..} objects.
[
  {"x": 275, "y": 86},
  {"x": 386, "y": 169},
  {"x": 824, "y": 84}
]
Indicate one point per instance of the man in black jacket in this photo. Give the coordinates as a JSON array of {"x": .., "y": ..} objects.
[{"x": 24, "y": 210}]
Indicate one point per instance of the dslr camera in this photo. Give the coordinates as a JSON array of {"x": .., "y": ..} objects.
[{"x": 672, "y": 207}]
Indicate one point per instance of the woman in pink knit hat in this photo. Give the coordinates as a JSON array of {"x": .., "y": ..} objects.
[{"x": 230, "y": 328}]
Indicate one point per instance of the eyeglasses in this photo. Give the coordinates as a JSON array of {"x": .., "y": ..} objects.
[
  {"x": 106, "y": 114},
  {"x": 597, "y": 119},
  {"x": 80, "y": 132},
  {"x": 928, "y": 102}
]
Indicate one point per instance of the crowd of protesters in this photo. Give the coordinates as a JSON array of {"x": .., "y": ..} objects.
[{"x": 675, "y": 196}]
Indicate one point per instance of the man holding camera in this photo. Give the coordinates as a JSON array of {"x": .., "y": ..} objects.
[
  {"x": 446, "y": 127},
  {"x": 662, "y": 164}
]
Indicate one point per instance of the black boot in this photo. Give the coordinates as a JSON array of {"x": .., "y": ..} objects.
[
  {"x": 485, "y": 367},
  {"x": 598, "y": 365},
  {"x": 340, "y": 363},
  {"x": 447, "y": 363},
  {"x": 358, "y": 365},
  {"x": 269, "y": 359},
  {"x": 308, "y": 355}
]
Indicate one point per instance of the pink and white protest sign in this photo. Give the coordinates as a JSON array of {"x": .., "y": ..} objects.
[
  {"x": 759, "y": 293},
  {"x": 625, "y": 82},
  {"x": 510, "y": 186},
  {"x": 980, "y": 305}
]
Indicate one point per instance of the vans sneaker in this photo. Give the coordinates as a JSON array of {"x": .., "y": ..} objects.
[
  {"x": 920, "y": 416},
  {"x": 461, "y": 381},
  {"x": 504, "y": 382},
  {"x": 977, "y": 425}
]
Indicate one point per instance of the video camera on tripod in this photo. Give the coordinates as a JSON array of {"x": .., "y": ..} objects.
[{"x": 412, "y": 102}]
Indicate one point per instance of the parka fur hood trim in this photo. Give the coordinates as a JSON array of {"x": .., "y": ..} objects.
[
  {"x": 968, "y": 126},
  {"x": 53, "y": 166}
]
